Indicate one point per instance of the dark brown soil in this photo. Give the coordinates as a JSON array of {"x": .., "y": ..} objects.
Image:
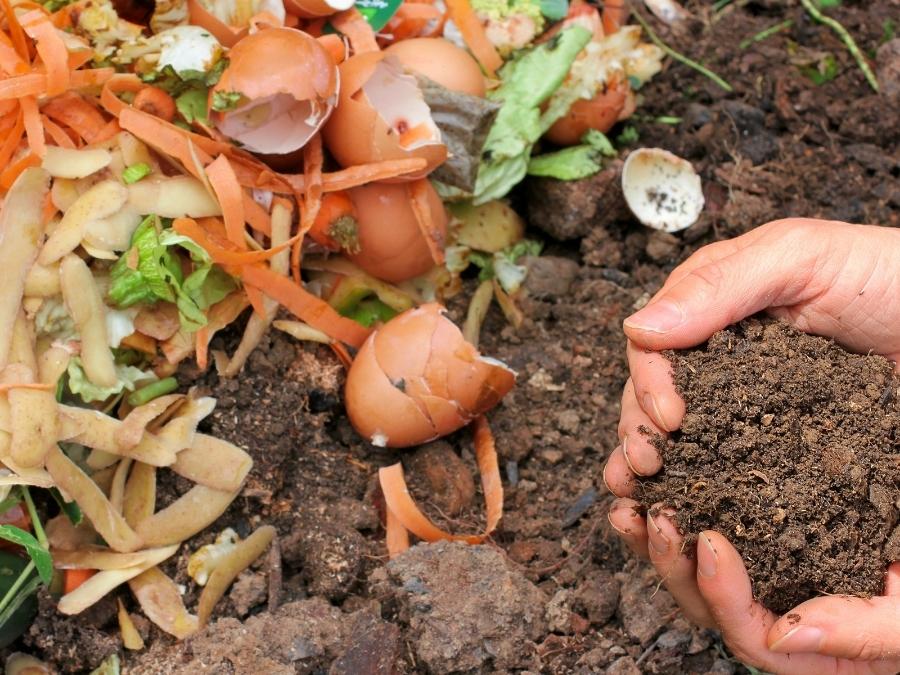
[
  {"x": 790, "y": 448},
  {"x": 777, "y": 146}
]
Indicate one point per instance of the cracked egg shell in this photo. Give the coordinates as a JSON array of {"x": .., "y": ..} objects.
[
  {"x": 442, "y": 61},
  {"x": 599, "y": 113},
  {"x": 391, "y": 244},
  {"x": 662, "y": 190},
  {"x": 381, "y": 115},
  {"x": 288, "y": 85},
  {"x": 416, "y": 379}
]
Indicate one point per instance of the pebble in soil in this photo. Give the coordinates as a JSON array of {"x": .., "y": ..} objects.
[{"x": 790, "y": 448}]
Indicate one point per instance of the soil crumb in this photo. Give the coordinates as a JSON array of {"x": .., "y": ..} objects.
[{"x": 790, "y": 448}]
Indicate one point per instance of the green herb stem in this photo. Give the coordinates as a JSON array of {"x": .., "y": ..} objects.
[
  {"x": 35, "y": 521},
  {"x": 153, "y": 390},
  {"x": 136, "y": 172},
  {"x": 680, "y": 57},
  {"x": 767, "y": 33},
  {"x": 846, "y": 38},
  {"x": 17, "y": 584}
]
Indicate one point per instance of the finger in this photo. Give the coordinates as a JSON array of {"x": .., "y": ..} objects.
[
  {"x": 678, "y": 571},
  {"x": 654, "y": 389},
  {"x": 892, "y": 580},
  {"x": 618, "y": 475},
  {"x": 724, "y": 290},
  {"x": 626, "y": 520},
  {"x": 745, "y": 624},
  {"x": 842, "y": 626},
  {"x": 637, "y": 433}
]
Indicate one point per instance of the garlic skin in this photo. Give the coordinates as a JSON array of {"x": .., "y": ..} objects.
[{"x": 416, "y": 379}]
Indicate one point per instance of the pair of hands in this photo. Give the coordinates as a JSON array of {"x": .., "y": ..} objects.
[{"x": 832, "y": 279}]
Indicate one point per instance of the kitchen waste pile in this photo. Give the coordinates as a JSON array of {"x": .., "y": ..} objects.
[{"x": 165, "y": 167}]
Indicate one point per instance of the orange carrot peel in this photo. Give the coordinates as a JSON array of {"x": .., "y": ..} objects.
[{"x": 476, "y": 39}]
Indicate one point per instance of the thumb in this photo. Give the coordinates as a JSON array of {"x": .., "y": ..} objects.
[
  {"x": 843, "y": 627},
  {"x": 722, "y": 290}
]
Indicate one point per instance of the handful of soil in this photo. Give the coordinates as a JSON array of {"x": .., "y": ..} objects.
[{"x": 790, "y": 447}]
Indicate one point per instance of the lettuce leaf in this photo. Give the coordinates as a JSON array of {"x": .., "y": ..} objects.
[
  {"x": 576, "y": 162},
  {"x": 151, "y": 271},
  {"x": 526, "y": 83},
  {"x": 127, "y": 378}
]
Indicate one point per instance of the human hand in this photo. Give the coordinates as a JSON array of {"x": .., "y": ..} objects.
[{"x": 827, "y": 278}]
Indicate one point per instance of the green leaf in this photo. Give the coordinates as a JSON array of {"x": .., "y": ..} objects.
[
  {"x": 136, "y": 172},
  {"x": 21, "y": 608},
  {"x": 555, "y": 10},
  {"x": 208, "y": 285},
  {"x": 526, "y": 247},
  {"x": 576, "y": 162},
  {"x": 822, "y": 72},
  {"x": 192, "y": 105},
  {"x": 828, "y": 4},
  {"x": 81, "y": 386},
  {"x": 370, "y": 311},
  {"x": 41, "y": 556},
  {"x": 11, "y": 500},
  {"x": 223, "y": 101},
  {"x": 71, "y": 509},
  {"x": 628, "y": 136}
]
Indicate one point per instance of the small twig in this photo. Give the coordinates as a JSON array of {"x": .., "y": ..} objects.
[
  {"x": 678, "y": 56},
  {"x": 766, "y": 34},
  {"x": 846, "y": 38}
]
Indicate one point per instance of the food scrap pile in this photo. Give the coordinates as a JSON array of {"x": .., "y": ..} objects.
[{"x": 165, "y": 167}]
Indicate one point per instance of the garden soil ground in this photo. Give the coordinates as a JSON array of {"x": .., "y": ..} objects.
[{"x": 553, "y": 592}]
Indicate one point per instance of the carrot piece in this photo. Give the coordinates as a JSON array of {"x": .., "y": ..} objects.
[
  {"x": 10, "y": 59},
  {"x": 343, "y": 355},
  {"x": 57, "y": 133},
  {"x": 219, "y": 250},
  {"x": 230, "y": 195},
  {"x": 304, "y": 305},
  {"x": 119, "y": 84},
  {"x": 11, "y": 143},
  {"x": 396, "y": 537},
  {"x": 202, "y": 339},
  {"x": 355, "y": 176},
  {"x": 399, "y": 502},
  {"x": 415, "y": 19},
  {"x": 51, "y": 49},
  {"x": 312, "y": 173},
  {"x": 74, "y": 578},
  {"x": 76, "y": 113},
  {"x": 614, "y": 15},
  {"x": 418, "y": 192},
  {"x": 476, "y": 40},
  {"x": 14, "y": 170},
  {"x": 335, "y": 205},
  {"x": 335, "y": 47},
  {"x": 256, "y": 215},
  {"x": 79, "y": 58},
  {"x": 358, "y": 31},
  {"x": 155, "y": 101},
  {"x": 34, "y": 129},
  {"x": 109, "y": 130},
  {"x": 16, "y": 34},
  {"x": 165, "y": 137}
]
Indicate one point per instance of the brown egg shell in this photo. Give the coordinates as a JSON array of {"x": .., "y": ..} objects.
[
  {"x": 391, "y": 244},
  {"x": 356, "y": 132},
  {"x": 443, "y": 62}
]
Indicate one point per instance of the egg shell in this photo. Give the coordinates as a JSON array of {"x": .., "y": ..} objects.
[
  {"x": 391, "y": 244},
  {"x": 662, "y": 190},
  {"x": 599, "y": 113},
  {"x": 418, "y": 368},
  {"x": 313, "y": 9},
  {"x": 441, "y": 61},
  {"x": 369, "y": 394},
  {"x": 357, "y": 134}
]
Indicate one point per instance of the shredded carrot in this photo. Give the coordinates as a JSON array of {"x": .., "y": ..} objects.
[
  {"x": 312, "y": 197},
  {"x": 256, "y": 215},
  {"x": 165, "y": 137},
  {"x": 421, "y": 205},
  {"x": 615, "y": 14},
  {"x": 73, "y": 578},
  {"x": 155, "y": 101},
  {"x": 11, "y": 143},
  {"x": 40, "y": 386},
  {"x": 202, "y": 338},
  {"x": 10, "y": 59},
  {"x": 343, "y": 355},
  {"x": 257, "y": 301},
  {"x": 109, "y": 130},
  {"x": 14, "y": 170},
  {"x": 396, "y": 536},
  {"x": 476, "y": 40},
  {"x": 399, "y": 502},
  {"x": 335, "y": 205},
  {"x": 57, "y": 133},
  {"x": 78, "y": 114},
  {"x": 304, "y": 305},
  {"x": 225, "y": 252},
  {"x": 355, "y": 176},
  {"x": 79, "y": 58},
  {"x": 51, "y": 49},
  {"x": 34, "y": 129},
  {"x": 230, "y": 194},
  {"x": 358, "y": 31},
  {"x": 119, "y": 84},
  {"x": 16, "y": 33},
  {"x": 415, "y": 19}
]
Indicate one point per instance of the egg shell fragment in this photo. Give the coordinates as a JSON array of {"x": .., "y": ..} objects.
[
  {"x": 662, "y": 190},
  {"x": 442, "y": 61},
  {"x": 416, "y": 378}
]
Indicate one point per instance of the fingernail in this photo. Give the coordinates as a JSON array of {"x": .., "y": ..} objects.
[
  {"x": 660, "y": 317},
  {"x": 651, "y": 407},
  {"x": 613, "y": 525},
  {"x": 658, "y": 541},
  {"x": 624, "y": 447},
  {"x": 707, "y": 558},
  {"x": 800, "y": 639},
  {"x": 606, "y": 482}
]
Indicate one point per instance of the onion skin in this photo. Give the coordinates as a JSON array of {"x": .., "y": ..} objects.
[
  {"x": 599, "y": 113},
  {"x": 416, "y": 379},
  {"x": 391, "y": 244},
  {"x": 356, "y": 134},
  {"x": 441, "y": 61}
]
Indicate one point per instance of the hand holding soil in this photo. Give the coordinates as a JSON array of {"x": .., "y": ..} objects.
[{"x": 827, "y": 278}]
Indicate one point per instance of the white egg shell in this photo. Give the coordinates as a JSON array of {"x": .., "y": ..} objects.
[{"x": 662, "y": 190}]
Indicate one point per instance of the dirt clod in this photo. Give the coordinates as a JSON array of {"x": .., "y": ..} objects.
[
  {"x": 789, "y": 449},
  {"x": 329, "y": 555},
  {"x": 442, "y": 475},
  {"x": 645, "y": 608},
  {"x": 465, "y": 607}
]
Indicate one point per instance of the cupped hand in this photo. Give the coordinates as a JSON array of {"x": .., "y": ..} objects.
[{"x": 832, "y": 279}]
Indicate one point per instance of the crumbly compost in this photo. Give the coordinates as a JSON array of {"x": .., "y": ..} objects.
[{"x": 791, "y": 448}]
